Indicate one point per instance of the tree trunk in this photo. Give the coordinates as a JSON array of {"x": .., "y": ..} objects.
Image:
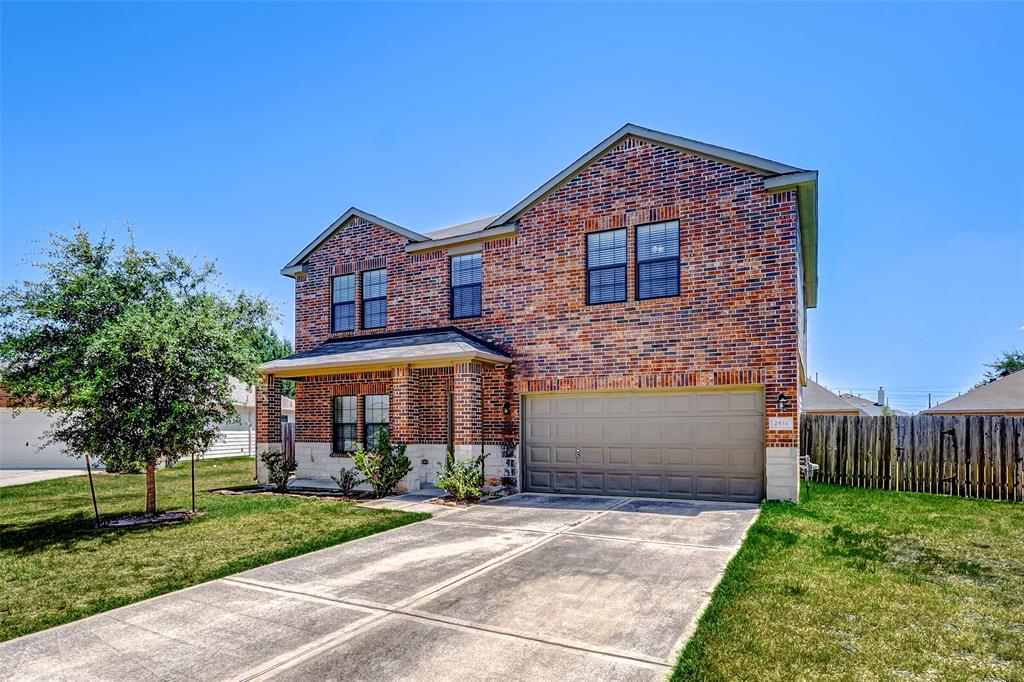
[{"x": 151, "y": 489}]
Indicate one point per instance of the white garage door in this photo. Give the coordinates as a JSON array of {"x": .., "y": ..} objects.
[
  {"x": 20, "y": 438},
  {"x": 703, "y": 445}
]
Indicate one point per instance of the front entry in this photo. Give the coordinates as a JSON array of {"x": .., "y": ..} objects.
[{"x": 695, "y": 444}]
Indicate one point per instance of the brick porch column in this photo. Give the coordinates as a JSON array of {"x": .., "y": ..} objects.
[
  {"x": 268, "y": 414},
  {"x": 467, "y": 405},
  {"x": 268, "y": 420},
  {"x": 403, "y": 405}
]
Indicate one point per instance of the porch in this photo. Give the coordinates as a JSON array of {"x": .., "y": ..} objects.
[{"x": 437, "y": 391}]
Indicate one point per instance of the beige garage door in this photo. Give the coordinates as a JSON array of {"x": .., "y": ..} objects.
[{"x": 700, "y": 445}]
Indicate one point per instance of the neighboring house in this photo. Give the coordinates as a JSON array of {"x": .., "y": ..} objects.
[
  {"x": 21, "y": 437},
  {"x": 873, "y": 408},
  {"x": 239, "y": 437},
  {"x": 634, "y": 326},
  {"x": 816, "y": 399},
  {"x": 1004, "y": 396}
]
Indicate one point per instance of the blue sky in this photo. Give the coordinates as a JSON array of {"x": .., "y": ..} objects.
[{"x": 239, "y": 131}]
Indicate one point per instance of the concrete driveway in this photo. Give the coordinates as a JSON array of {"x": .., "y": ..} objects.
[
  {"x": 533, "y": 587},
  {"x": 21, "y": 476}
]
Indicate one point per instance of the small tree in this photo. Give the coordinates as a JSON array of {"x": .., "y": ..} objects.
[
  {"x": 1008, "y": 362},
  {"x": 279, "y": 469},
  {"x": 384, "y": 465},
  {"x": 132, "y": 351}
]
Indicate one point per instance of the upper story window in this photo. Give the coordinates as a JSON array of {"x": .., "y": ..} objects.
[
  {"x": 657, "y": 260},
  {"x": 466, "y": 286},
  {"x": 343, "y": 303},
  {"x": 606, "y": 266},
  {"x": 376, "y": 415},
  {"x": 375, "y": 299},
  {"x": 344, "y": 423}
]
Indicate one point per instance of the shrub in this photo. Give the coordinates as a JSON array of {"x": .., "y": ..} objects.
[
  {"x": 279, "y": 469},
  {"x": 347, "y": 480},
  {"x": 462, "y": 479},
  {"x": 384, "y": 466}
]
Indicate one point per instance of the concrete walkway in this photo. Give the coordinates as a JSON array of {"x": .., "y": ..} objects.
[
  {"x": 20, "y": 476},
  {"x": 532, "y": 587}
]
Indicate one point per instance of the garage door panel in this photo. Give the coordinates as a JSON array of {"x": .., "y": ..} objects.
[
  {"x": 564, "y": 406},
  {"x": 648, "y": 458},
  {"x": 685, "y": 403},
  {"x": 565, "y": 455},
  {"x": 712, "y": 486},
  {"x": 745, "y": 488},
  {"x": 678, "y": 430},
  {"x": 538, "y": 454},
  {"x": 538, "y": 430},
  {"x": 745, "y": 430},
  {"x": 620, "y": 456},
  {"x": 745, "y": 402},
  {"x": 744, "y": 459},
  {"x": 592, "y": 482},
  {"x": 591, "y": 456},
  {"x": 566, "y": 480},
  {"x": 619, "y": 484},
  {"x": 712, "y": 458},
  {"x": 618, "y": 404},
  {"x": 711, "y": 430},
  {"x": 649, "y": 484},
  {"x": 591, "y": 431},
  {"x": 712, "y": 402},
  {"x": 540, "y": 480},
  {"x": 676, "y": 458},
  {"x": 566, "y": 430},
  {"x": 647, "y": 404},
  {"x": 647, "y": 431},
  {"x": 701, "y": 444},
  {"x": 618, "y": 431}
]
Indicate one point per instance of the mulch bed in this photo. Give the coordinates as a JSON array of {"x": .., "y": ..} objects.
[{"x": 157, "y": 519}]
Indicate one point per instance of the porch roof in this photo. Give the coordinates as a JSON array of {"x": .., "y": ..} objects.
[{"x": 422, "y": 348}]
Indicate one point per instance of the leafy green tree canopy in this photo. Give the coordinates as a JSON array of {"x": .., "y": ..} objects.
[
  {"x": 270, "y": 346},
  {"x": 131, "y": 350},
  {"x": 1008, "y": 362}
]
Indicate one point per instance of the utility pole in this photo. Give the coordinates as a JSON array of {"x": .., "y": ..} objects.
[{"x": 929, "y": 401}]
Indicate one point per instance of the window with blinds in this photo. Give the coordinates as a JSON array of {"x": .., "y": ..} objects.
[
  {"x": 466, "y": 276},
  {"x": 343, "y": 303},
  {"x": 375, "y": 299},
  {"x": 657, "y": 260},
  {"x": 606, "y": 266}
]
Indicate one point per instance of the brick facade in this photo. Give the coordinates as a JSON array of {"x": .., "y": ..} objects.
[{"x": 735, "y": 321}]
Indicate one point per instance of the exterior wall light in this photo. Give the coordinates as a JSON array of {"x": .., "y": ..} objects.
[{"x": 781, "y": 402}]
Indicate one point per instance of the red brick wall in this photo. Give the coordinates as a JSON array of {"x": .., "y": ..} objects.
[{"x": 735, "y": 320}]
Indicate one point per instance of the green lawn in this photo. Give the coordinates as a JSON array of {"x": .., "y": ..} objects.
[
  {"x": 54, "y": 567},
  {"x": 869, "y": 585}
]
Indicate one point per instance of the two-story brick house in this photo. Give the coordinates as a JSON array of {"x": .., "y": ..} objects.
[{"x": 635, "y": 326}]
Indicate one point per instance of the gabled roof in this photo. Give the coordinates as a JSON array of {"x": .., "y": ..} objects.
[
  {"x": 817, "y": 398},
  {"x": 1002, "y": 396},
  {"x": 431, "y": 346},
  {"x": 755, "y": 163},
  {"x": 870, "y": 407},
  {"x": 778, "y": 177},
  {"x": 293, "y": 265}
]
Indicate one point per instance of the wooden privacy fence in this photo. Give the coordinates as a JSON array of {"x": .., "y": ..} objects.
[{"x": 964, "y": 456}]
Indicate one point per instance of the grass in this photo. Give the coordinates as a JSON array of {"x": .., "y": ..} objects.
[
  {"x": 869, "y": 585},
  {"x": 55, "y": 567}
]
